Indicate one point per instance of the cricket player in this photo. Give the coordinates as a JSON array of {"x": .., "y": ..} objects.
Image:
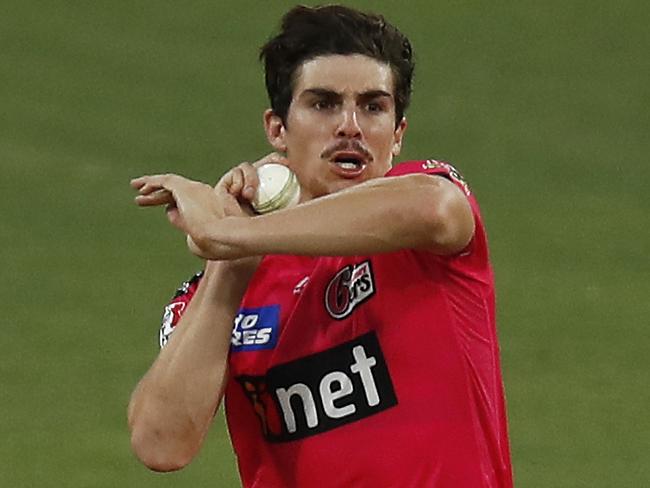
[{"x": 352, "y": 338}]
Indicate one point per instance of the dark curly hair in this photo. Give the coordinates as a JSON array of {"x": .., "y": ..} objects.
[{"x": 308, "y": 32}]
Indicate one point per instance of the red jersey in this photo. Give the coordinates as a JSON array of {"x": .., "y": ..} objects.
[{"x": 369, "y": 371}]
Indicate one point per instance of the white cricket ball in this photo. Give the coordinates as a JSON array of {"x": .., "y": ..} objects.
[{"x": 279, "y": 188}]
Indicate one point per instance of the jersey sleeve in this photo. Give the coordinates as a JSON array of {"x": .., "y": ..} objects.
[
  {"x": 177, "y": 306},
  {"x": 446, "y": 170},
  {"x": 432, "y": 167}
]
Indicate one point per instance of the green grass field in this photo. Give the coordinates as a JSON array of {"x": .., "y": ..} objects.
[{"x": 543, "y": 105}]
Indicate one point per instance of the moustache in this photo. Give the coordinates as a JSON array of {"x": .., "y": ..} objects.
[{"x": 349, "y": 145}]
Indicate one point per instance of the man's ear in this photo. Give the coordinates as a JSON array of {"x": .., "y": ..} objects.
[
  {"x": 275, "y": 130},
  {"x": 398, "y": 136}
]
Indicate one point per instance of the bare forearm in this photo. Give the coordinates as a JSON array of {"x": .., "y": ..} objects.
[
  {"x": 173, "y": 405},
  {"x": 388, "y": 214}
]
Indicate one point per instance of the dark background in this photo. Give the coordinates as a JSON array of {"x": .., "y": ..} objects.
[{"x": 542, "y": 105}]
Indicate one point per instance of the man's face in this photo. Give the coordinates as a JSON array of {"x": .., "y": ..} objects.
[{"x": 340, "y": 128}]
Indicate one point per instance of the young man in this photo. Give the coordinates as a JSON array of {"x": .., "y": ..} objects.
[{"x": 364, "y": 348}]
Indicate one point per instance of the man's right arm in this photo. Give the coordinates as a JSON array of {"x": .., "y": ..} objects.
[{"x": 172, "y": 407}]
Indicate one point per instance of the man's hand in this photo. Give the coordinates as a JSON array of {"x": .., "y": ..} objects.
[
  {"x": 192, "y": 206},
  {"x": 241, "y": 182}
]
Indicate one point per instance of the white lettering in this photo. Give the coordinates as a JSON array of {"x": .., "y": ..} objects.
[
  {"x": 238, "y": 319},
  {"x": 328, "y": 395},
  {"x": 302, "y": 390},
  {"x": 236, "y": 338},
  {"x": 362, "y": 367},
  {"x": 249, "y": 321},
  {"x": 249, "y": 337},
  {"x": 263, "y": 335}
]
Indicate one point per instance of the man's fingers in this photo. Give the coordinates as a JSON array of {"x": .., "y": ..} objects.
[
  {"x": 146, "y": 181},
  {"x": 236, "y": 181},
  {"x": 241, "y": 182},
  {"x": 150, "y": 187},
  {"x": 149, "y": 183},
  {"x": 154, "y": 198},
  {"x": 230, "y": 181},
  {"x": 251, "y": 181},
  {"x": 156, "y": 190},
  {"x": 137, "y": 183},
  {"x": 175, "y": 218}
]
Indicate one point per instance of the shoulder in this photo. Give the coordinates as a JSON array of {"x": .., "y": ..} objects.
[
  {"x": 477, "y": 247},
  {"x": 431, "y": 167}
]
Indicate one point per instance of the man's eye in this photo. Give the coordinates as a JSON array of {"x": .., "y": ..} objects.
[
  {"x": 374, "y": 107},
  {"x": 323, "y": 105}
]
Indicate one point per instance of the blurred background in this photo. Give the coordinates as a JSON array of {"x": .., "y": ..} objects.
[{"x": 542, "y": 105}]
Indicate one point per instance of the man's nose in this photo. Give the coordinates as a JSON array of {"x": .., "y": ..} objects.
[{"x": 349, "y": 125}]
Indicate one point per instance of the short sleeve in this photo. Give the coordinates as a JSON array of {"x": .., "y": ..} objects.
[
  {"x": 177, "y": 306},
  {"x": 477, "y": 247},
  {"x": 432, "y": 167}
]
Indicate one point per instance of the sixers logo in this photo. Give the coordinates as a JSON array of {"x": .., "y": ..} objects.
[
  {"x": 172, "y": 315},
  {"x": 349, "y": 288},
  {"x": 176, "y": 308}
]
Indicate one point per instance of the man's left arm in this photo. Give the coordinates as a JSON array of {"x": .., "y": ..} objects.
[{"x": 415, "y": 211}]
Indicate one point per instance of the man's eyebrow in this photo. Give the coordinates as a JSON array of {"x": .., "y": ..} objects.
[
  {"x": 376, "y": 94},
  {"x": 320, "y": 92},
  {"x": 326, "y": 92}
]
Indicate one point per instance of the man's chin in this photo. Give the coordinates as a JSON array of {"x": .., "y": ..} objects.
[
  {"x": 342, "y": 184},
  {"x": 330, "y": 187}
]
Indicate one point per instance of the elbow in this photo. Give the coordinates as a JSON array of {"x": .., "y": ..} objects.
[
  {"x": 451, "y": 231},
  {"x": 447, "y": 216},
  {"x": 159, "y": 449},
  {"x": 157, "y": 454},
  {"x": 452, "y": 239}
]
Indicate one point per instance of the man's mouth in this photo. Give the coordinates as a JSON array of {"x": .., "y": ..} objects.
[
  {"x": 349, "y": 162},
  {"x": 348, "y": 159}
]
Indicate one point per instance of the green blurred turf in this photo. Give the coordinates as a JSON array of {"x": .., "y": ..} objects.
[{"x": 544, "y": 106}]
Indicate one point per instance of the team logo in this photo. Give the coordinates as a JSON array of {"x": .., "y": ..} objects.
[
  {"x": 257, "y": 391},
  {"x": 454, "y": 174},
  {"x": 431, "y": 164},
  {"x": 321, "y": 392},
  {"x": 171, "y": 316},
  {"x": 176, "y": 308},
  {"x": 256, "y": 328},
  {"x": 349, "y": 288}
]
